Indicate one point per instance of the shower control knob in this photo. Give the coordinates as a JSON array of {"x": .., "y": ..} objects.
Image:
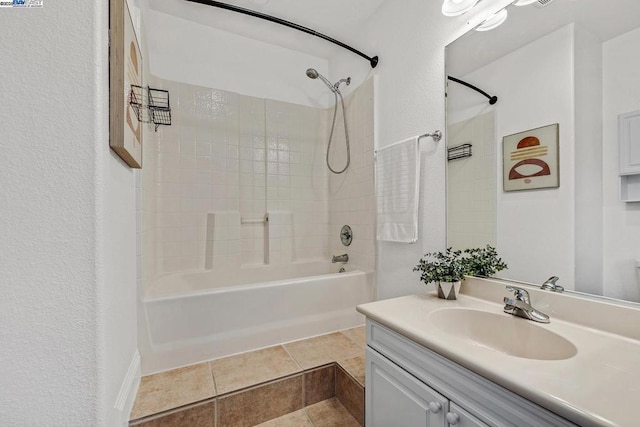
[{"x": 346, "y": 235}]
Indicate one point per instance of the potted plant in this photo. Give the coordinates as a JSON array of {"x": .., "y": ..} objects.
[
  {"x": 446, "y": 269},
  {"x": 483, "y": 262}
]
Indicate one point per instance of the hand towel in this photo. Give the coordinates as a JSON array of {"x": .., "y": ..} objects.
[{"x": 397, "y": 190}]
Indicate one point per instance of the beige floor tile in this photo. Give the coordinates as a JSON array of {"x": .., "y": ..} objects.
[
  {"x": 171, "y": 389},
  {"x": 294, "y": 419},
  {"x": 355, "y": 367},
  {"x": 248, "y": 369},
  {"x": 357, "y": 335},
  {"x": 330, "y": 413},
  {"x": 321, "y": 350}
]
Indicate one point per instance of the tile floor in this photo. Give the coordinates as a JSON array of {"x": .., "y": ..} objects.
[{"x": 317, "y": 381}]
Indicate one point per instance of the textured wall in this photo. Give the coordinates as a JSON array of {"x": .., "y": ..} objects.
[
  {"x": 68, "y": 230},
  {"x": 48, "y": 367}
]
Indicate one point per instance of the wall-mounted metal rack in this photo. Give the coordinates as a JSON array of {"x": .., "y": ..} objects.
[
  {"x": 459, "y": 152},
  {"x": 151, "y": 105}
]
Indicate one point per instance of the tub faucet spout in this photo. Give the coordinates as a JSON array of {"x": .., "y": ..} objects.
[{"x": 340, "y": 258}]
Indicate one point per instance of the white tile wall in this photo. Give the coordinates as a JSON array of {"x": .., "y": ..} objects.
[
  {"x": 351, "y": 194},
  {"x": 471, "y": 184},
  {"x": 227, "y": 153}
]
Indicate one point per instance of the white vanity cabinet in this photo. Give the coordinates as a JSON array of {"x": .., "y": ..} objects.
[
  {"x": 396, "y": 398},
  {"x": 409, "y": 385}
]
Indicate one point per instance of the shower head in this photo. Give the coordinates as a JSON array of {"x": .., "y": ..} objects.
[{"x": 312, "y": 73}]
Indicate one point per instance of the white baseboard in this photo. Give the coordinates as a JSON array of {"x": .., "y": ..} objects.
[{"x": 128, "y": 390}]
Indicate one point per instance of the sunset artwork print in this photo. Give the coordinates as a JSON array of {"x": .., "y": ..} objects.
[{"x": 530, "y": 159}]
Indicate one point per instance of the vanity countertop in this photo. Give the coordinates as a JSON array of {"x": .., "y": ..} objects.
[{"x": 598, "y": 386}]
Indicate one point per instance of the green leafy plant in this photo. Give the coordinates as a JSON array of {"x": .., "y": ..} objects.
[
  {"x": 448, "y": 266},
  {"x": 483, "y": 261}
]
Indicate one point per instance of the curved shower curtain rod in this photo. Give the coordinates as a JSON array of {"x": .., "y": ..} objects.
[
  {"x": 373, "y": 61},
  {"x": 492, "y": 99}
]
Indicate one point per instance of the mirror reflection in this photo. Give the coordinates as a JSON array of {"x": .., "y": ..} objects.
[{"x": 559, "y": 64}]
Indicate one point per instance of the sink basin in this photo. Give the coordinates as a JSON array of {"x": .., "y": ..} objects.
[{"x": 504, "y": 333}]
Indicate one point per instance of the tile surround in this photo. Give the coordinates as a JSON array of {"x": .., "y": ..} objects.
[
  {"x": 262, "y": 385},
  {"x": 229, "y": 152}
]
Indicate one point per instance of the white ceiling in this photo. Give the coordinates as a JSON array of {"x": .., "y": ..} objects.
[
  {"x": 338, "y": 19},
  {"x": 604, "y": 18}
]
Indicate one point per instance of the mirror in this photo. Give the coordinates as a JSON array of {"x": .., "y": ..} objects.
[{"x": 562, "y": 64}]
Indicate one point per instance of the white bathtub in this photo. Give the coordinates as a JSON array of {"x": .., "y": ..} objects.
[{"x": 198, "y": 316}]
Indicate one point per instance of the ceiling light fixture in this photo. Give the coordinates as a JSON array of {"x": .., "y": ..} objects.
[
  {"x": 457, "y": 7},
  {"x": 494, "y": 21},
  {"x": 524, "y": 2}
]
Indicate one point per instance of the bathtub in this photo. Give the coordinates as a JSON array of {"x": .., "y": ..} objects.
[{"x": 197, "y": 316}]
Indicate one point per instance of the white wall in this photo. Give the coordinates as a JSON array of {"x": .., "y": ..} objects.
[
  {"x": 68, "y": 230},
  {"x": 187, "y": 52},
  {"x": 621, "y": 231},
  {"x": 410, "y": 40}
]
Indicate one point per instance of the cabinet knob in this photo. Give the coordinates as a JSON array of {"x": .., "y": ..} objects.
[
  {"x": 435, "y": 407},
  {"x": 452, "y": 418}
]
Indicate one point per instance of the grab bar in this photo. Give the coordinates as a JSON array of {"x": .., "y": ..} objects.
[{"x": 264, "y": 220}]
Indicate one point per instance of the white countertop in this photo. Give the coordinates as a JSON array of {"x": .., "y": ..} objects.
[{"x": 600, "y": 385}]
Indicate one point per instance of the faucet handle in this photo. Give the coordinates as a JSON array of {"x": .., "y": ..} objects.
[{"x": 519, "y": 293}]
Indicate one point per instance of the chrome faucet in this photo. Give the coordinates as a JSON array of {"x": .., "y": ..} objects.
[
  {"x": 340, "y": 258},
  {"x": 550, "y": 285},
  {"x": 520, "y": 305}
]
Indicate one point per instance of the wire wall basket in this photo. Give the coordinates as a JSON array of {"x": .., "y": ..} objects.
[
  {"x": 151, "y": 105},
  {"x": 459, "y": 152}
]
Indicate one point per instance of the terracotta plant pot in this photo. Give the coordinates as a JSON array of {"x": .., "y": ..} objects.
[{"x": 448, "y": 290}]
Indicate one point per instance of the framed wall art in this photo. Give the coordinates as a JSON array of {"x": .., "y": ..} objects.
[
  {"x": 125, "y": 70},
  {"x": 531, "y": 159}
]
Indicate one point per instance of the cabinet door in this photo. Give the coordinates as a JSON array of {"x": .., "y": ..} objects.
[
  {"x": 629, "y": 142},
  {"x": 396, "y": 398},
  {"x": 458, "y": 417}
]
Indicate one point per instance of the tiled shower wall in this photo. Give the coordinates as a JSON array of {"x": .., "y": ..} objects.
[
  {"x": 215, "y": 159},
  {"x": 228, "y": 158},
  {"x": 351, "y": 194},
  {"x": 471, "y": 184}
]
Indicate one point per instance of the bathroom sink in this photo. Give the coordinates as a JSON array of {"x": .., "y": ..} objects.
[{"x": 504, "y": 333}]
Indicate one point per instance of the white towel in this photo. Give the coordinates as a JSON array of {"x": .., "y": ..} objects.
[{"x": 397, "y": 190}]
